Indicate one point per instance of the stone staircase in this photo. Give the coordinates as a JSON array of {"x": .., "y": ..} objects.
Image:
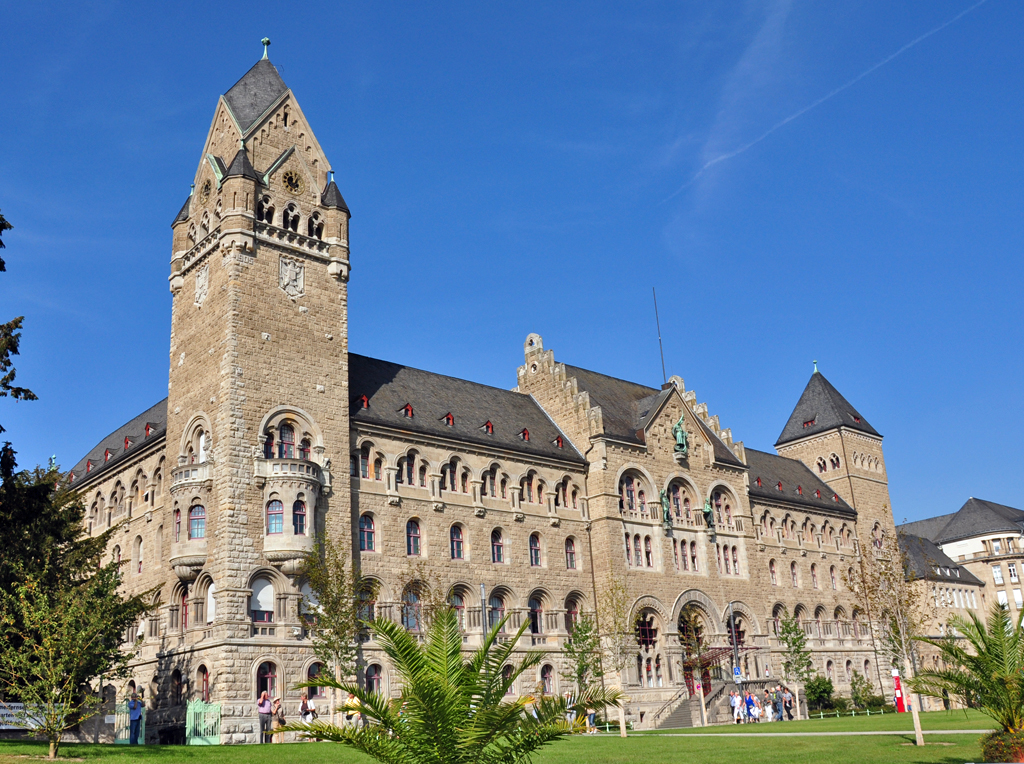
[{"x": 683, "y": 711}]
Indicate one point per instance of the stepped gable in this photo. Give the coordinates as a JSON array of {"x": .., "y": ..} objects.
[
  {"x": 772, "y": 470},
  {"x": 389, "y": 387},
  {"x": 929, "y": 528},
  {"x": 134, "y": 430},
  {"x": 251, "y": 97},
  {"x": 928, "y": 562},
  {"x": 821, "y": 408},
  {"x": 627, "y": 406},
  {"x": 978, "y": 516}
]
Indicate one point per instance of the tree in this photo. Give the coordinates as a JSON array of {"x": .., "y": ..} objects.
[
  {"x": 694, "y": 644},
  {"x": 10, "y": 337},
  {"x": 984, "y": 666},
  {"x": 617, "y": 631},
  {"x": 797, "y": 666},
  {"x": 818, "y": 693},
  {"x": 862, "y": 693},
  {"x": 338, "y": 608},
  {"x": 582, "y": 654},
  {"x": 453, "y": 709},
  {"x": 66, "y": 635},
  {"x": 900, "y": 608}
]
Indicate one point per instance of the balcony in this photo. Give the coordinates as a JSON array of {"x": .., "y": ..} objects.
[
  {"x": 272, "y": 470},
  {"x": 190, "y": 474},
  {"x": 188, "y": 558}
]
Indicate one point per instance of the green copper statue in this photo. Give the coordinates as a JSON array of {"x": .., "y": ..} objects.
[
  {"x": 666, "y": 515},
  {"x": 679, "y": 433},
  {"x": 709, "y": 513}
]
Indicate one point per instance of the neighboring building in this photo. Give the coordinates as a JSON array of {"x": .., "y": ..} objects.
[{"x": 540, "y": 493}]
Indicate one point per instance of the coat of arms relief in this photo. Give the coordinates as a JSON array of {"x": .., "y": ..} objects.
[
  {"x": 202, "y": 284},
  {"x": 292, "y": 278}
]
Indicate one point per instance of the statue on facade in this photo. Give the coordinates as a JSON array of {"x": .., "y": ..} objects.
[
  {"x": 666, "y": 515},
  {"x": 682, "y": 446},
  {"x": 709, "y": 513}
]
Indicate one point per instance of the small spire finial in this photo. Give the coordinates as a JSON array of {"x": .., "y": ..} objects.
[
  {"x": 192, "y": 189},
  {"x": 266, "y": 46},
  {"x": 815, "y": 367},
  {"x": 330, "y": 173}
]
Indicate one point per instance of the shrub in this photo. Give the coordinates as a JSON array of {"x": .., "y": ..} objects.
[
  {"x": 1003, "y": 746},
  {"x": 818, "y": 693}
]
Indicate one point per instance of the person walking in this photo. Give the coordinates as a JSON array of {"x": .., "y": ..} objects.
[
  {"x": 787, "y": 703},
  {"x": 750, "y": 704},
  {"x": 134, "y": 719},
  {"x": 779, "y": 701},
  {"x": 265, "y": 709},
  {"x": 768, "y": 706},
  {"x": 736, "y": 701},
  {"x": 591, "y": 721},
  {"x": 278, "y": 720},
  {"x": 307, "y": 709},
  {"x": 351, "y": 708}
]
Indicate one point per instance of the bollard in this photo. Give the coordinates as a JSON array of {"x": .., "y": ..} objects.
[
  {"x": 821, "y": 714},
  {"x": 854, "y": 712}
]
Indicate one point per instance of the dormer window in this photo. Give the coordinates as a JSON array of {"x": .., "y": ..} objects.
[
  {"x": 779, "y": 485},
  {"x": 363, "y": 402},
  {"x": 856, "y": 419},
  {"x": 817, "y": 493},
  {"x": 127, "y": 443},
  {"x": 107, "y": 454},
  {"x": 800, "y": 490},
  {"x": 448, "y": 419},
  {"x": 758, "y": 481},
  {"x": 149, "y": 429},
  {"x": 559, "y": 443},
  {"x": 488, "y": 428},
  {"x": 810, "y": 422},
  {"x": 835, "y": 498},
  {"x": 88, "y": 466},
  {"x": 525, "y": 434},
  {"x": 406, "y": 411}
]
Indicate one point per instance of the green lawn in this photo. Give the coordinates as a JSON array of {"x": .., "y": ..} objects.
[
  {"x": 603, "y": 749},
  {"x": 935, "y": 720}
]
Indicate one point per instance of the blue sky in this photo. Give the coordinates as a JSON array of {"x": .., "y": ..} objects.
[{"x": 519, "y": 167}]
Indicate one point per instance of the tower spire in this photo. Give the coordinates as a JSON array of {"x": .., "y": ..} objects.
[
  {"x": 266, "y": 47},
  {"x": 815, "y": 366}
]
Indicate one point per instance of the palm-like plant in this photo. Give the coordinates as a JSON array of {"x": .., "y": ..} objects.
[
  {"x": 984, "y": 666},
  {"x": 453, "y": 709}
]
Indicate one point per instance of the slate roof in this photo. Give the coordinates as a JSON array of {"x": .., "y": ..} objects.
[
  {"x": 331, "y": 197},
  {"x": 929, "y": 528},
  {"x": 250, "y": 97},
  {"x": 241, "y": 167},
  {"x": 923, "y": 558},
  {"x": 390, "y": 386},
  {"x": 134, "y": 430},
  {"x": 791, "y": 473},
  {"x": 977, "y": 517},
  {"x": 826, "y": 409},
  {"x": 183, "y": 212},
  {"x": 626, "y": 407}
]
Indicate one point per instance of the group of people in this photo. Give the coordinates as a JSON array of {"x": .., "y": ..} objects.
[
  {"x": 272, "y": 716},
  {"x": 748, "y": 707}
]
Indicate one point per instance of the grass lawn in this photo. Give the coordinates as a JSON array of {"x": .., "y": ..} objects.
[{"x": 603, "y": 749}]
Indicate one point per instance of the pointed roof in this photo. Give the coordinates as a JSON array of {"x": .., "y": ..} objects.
[
  {"x": 250, "y": 97},
  {"x": 241, "y": 167},
  {"x": 977, "y": 517},
  {"x": 926, "y": 561},
  {"x": 183, "y": 212},
  {"x": 331, "y": 197},
  {"x": 822, "y": 408}
]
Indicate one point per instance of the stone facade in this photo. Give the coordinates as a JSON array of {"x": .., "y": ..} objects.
[{"x": 218, "y": 491}]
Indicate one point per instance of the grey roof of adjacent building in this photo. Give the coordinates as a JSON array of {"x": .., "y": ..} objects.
[
  {"x": 927, "y": 561},
  {"x": 627, "y": 406},
  {"x": 929, "y": 528},
  {"x": 332, "y": 197},
  {"x": 241, "y": 167},
  {"x": 250, "y": 97},
  {"x": 821, "y": 408},
  {"x": 389, "y": 387},
  {"x": 799, "y": 484},
  {"x": 978, "y": 517},
  {"x": 135, "y": 430}
]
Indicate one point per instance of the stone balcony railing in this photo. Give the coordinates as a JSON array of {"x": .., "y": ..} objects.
[
  {"x": 190, "y": 474},
  {"x": 188, "y": 558}
]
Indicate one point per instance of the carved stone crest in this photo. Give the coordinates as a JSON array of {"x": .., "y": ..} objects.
[
  {"x": 292, "y": 278},
  {"x": 202, "y": 283}
]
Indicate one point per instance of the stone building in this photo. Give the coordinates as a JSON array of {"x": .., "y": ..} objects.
[{"x": 516, "y": 502}]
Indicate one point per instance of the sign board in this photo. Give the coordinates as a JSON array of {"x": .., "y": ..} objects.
[
  {"x": 736, "y": 674},
  {"x": 9, "y": 713}
]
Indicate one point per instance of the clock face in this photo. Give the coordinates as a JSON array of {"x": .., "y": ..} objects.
[
  {"x": 204, "y": 195},
  {"x": 292, "y": 181}
]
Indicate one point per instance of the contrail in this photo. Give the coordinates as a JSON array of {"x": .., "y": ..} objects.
[{"x": 820, "y": 101}]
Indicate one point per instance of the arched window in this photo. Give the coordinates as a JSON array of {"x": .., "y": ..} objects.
[
  {"x": 373, "y": 678},
  {"x": 304, "y": 449},
  {"x": 286, "y": 442},
  {"x": 829, "y": 670},
  {"x": 547, "y": 674},
  {"x": 412, "y": 538},
  {"x": 735, "y": 561},
  {"x": 772, "y": 574},
  {"x": 177, "y": 526},
  {"x": 378, "y": 469},
  {"x": 683, "y": 556},
  {"x": 814, "y": 575},
  {"x": 138, "y": 554},
  {"x": 821, "y": 464},
  {"x": 793, "y": 575},
  {"x": 506, "y": 675},
  {"x": 183, "y": 604},
  {"x": 177, "y": 688},
  {"x": 197, "y": 522},
  {"x": 367, "y": 605},
  {"x": 203, "y": 680},
  {"x": 465, "y": 482},
  {"x": 266, "y": 679},
  {"x": 627, "y": 494},
  {"x": 497, "y": 546},
  {"x": 504, "y": 488},
  {"x": 411, "y": 609},
  {"x": 642, "y": 501},
  {"x": 423, "y": 476},
  {"x": 211, "y": 603},
  {"x": 364, "y": 462},
  {"x": 116, "y": 554},
  {"x": 832, "y": 576},
  {"x": 299, "y": 518},
  {"x": 312, "y": 674},
  {"x": 495, "y": 611},
  {"x": 833, "y": 460},
  {"x": 572, "y": 614},
  {"x": 275, "y": 517},
  {"x": 570, "y": 554},
  {"x": 366, "y": 534},
  {"x": 629, "y": 554},
  {"x": 574, "y": 500},
  {"x": 527, "y": 488},
  {"x": 458, "y": 605},
  {"x": 638, "y": 555},
  {"x": 268, "y": 447},
  {"x": 261, "y": 603},
  {"x": 693, "y": 555},
  {"x": 675, "y": 496},
  {"x": 536, "y": 616},
  {"x": 728, "y": 565},
  {"x": 534, "y": 550},
  {"x": 718, "y": 554},
  {"x": 455, "y": 535},
  {"x": 648, "y": 552},
  {"x": 849, "y": 670}
]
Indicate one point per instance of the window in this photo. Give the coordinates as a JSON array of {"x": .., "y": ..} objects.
[
  {"x": 629, "y": 555},
  {"x": 735, "y": 561},
  {"x": 534, "y": 550},
  {"x": 275, "y": 517},
  {"x": 203, "y": 680},
  {"x": 570, "y": 554},
  {"x": 378, "y": 469},
  {"x": 412, "y": 538},
  {"x": 1012, "y": 569},
  {"x": 833, "y": 460},
  {"x": 793, "y": 575},
  {"x": 997, "y": 546},
  {"x": 183, "y": 603},
  {"x": 627, "y": 494},
  {"x": 1017, "y": 599},
  {"x": 821, "y": 464},
  {"x": 364, "y": 463},
  {"x": 367, "y": 605},
  {"x": 497, "y": 546},
  {"x": 832, "y": 576},
  {"x": 458, "y": 605},
  {"x": 304, "y": 449},
  {"x": 997, "y": 574},
  {"x": 772, "y": 574},
  {"x": 455, "y": 535},
  {"x": 693, "y": 555},
  {"x": 648, "y": 553},
  {"x": 814, "y": 575},
  {"x": 138, "y": 554},
  {"x": 366, "y": 534},
  {"x": 638, "y": 559},
  {"x": 536, "y": 616},
  {"x": 423, "y": 476},
  {"x": 547, "y": 679},
  {"x": 261, "y": 602},
  {"x": 642, "y": 500},
  {"x": 299, "y": 518},
  {"x": 572, "y": 615},
  {"x": 312, "y": 673},
  {"x": 1001, "y": 596},
  {"x": 197, "y": 522},
  {"x": 268, "y": 447},
  {"x": 718, "y": 554},
  {"x": 286, "y": 444},
  {"x": 495, "y": 611},
  {"x": 675, "y": 499},
  {"x": 411, "y": 610},
  {"x": 373, "y": 678},
  {"x": 177, "y": 526}
]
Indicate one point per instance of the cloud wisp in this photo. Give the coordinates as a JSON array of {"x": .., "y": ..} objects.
[{"x": 831, "y": 94}]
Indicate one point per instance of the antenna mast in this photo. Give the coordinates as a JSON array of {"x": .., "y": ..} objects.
[{"x": 657, "y": 321}]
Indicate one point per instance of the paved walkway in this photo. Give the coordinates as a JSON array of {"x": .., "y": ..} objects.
[{"x": 816, "y": 734}]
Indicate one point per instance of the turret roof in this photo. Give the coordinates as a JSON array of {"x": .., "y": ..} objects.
[
  {"x": 332, "y": 197},
  {"x": 241, "y": 167},
  {"x": 821, "y": 408}
]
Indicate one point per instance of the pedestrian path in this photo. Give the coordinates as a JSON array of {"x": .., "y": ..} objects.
[{"x": 817, "y": 734}]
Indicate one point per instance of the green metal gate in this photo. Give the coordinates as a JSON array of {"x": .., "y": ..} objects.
[
  {"x": 122, "y": 729},
  {"x": 202, "y": 723}
]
